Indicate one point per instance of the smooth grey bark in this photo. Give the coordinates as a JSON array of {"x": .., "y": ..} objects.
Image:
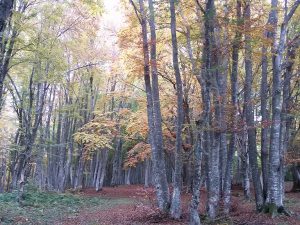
[
  {"x": 117, "y": 159},
  {"x": 147, "y": 180},
  {"x": 207, "y": 79},
  {"x": 117, "y": 162},
  {"x": 101, "y": 170},
  {"x": 176, "y": 197},
  {"x": 65, "y": 153},
  {"x": 276, "y": 179},
  {"x": 39, "y": 172},
  {"x": 163, "y": 191},
  {"x": 194, "y": 204},
  {"x": 7, "y": 40},
  {"x": 6, "y": 7},
  {"x": 272, "y": 21},
  {"x": 249, "y": 113},
  {"x": 211, "y": 94},
  {"x": 68, "y": 166},
  {"x": 61, "y": 140},
  {"x": 78, "y": 179},
  {"x": 3, "y": 174},
  {"x": 265, "y": 121},
  {"x": 127, "y": 176},
  {"x": 296, "y": 177},
  {"x": 32, "y": 114},
  {"x": 98, "y": 170},
  {"x": 234, "y": 102},
  {"x": 66, "y": 144},
  {"x": 245, "y": 164},
  {"x": 152, "y": 138},
  {"x": 29, "y": 107},
  {"x": 213, "y": 184},
  {"x": 97, "y": 160},
  {"x": 222, "y": 42},
  {"x": 87, "y": 115},
  {"x": 153, "y": 107},
  {"x": 49, "y": 177},
  {"x": 186, "y": 107},
  {"x": 286, "y": 117}
]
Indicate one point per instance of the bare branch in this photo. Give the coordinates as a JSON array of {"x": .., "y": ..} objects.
[
  {"x": 136, "y": 11},
  {"x": 14, "y": 86},
  {"x": 200, "y": 6},
  {"x": 291, "y": 13}
]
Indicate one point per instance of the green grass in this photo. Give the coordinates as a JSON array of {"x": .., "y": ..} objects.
[{"x": 48, "y": 208}]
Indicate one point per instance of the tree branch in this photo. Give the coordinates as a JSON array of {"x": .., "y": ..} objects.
[
  {"x": 136, "y": 11},
  {"x": 291, "y": 13},
  {"x": 200, "y": 7}
]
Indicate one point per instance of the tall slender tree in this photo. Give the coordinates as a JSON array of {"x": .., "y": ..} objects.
[
  {"x": 249, "y": 111},
  {"x": 176, "y": 198},
  {"x": 234, "y": 102},
  {"x": 276, "y": 179}
]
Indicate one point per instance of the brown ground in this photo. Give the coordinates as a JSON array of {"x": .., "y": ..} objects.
[{"x": 143, "y": 211}]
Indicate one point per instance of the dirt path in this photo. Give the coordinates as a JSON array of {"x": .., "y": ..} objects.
[{"x": 142, "y": 210}]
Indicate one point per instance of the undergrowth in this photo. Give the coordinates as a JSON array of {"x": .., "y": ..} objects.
[{"x": 48, "y": 207}]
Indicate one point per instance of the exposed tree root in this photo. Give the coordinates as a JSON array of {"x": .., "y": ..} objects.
[{"x": 274, "y": 210}]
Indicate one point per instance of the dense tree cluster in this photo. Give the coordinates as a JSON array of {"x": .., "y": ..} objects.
[{"x": 187, "y": 94}]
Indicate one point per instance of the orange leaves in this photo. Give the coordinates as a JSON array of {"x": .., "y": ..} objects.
[{"x": 138, "y": 153}]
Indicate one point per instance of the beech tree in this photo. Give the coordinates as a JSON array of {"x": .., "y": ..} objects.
[{"x": 176, "y": 95}]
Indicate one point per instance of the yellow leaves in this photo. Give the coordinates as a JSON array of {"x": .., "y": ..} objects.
[
  {"x": 139, "y": 153},
  {"x": 137, "y": 125},
  {"x": 97, "y": 134},
  {"x": 93, "y": 6},
  {"x": 92, "y": 141}
]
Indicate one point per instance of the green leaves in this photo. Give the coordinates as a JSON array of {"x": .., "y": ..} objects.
[{"x": 95, "y": 7}]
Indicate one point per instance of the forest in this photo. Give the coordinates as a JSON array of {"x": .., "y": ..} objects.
[{"x": 150, "y": 112}]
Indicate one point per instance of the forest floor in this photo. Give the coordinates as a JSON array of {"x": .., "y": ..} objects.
[
  {"x": 143, "y": 211},
  {"x": 127, "y": 205}
]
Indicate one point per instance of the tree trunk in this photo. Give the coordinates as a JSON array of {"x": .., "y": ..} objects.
[
  {"x": 276, "y": 177},
  {"x": 287, "y": 117},
  {"x": 104, "y": 154},
  {"x": 127, "y": 176},
  {"x": 147, "y": 181},
  {"x": 101, "y": 170},
  {"x": 176, "y": 197},
  {"x": 210, "y": 93},
  {"x": 6, "y": 8},
  {"x": 194, "y": 205},
  {"x": 78, "y": 180},
  {"x": 153, "y": 109},
  {"x": 296, "y": 176},
  {"x": 272, "y": 20},
  {"x": 234, "y": 96},
  {"x": 249, "y": 111},
  {"x": 222, "y": 42},
  {"x": 244, "y": 161},
  {"x": 264, "y": 121},
  {"x": 39, "y": 173},
  {"x": 117, "y": 164},
  {"x": 3, "y": 171},
  {"x": 163, "y": 195}
]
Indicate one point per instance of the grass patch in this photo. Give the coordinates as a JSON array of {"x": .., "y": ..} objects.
[{"x": 48, "y": 207}]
